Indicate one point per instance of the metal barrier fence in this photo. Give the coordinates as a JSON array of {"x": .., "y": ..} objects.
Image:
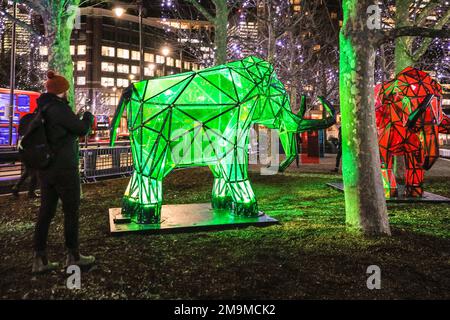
[
  {"x": 95, "y": 162},
  {"x": 444, "y": 153},
  {"x": 10, "y": 167},
  {"x": 105, "y": 162}
]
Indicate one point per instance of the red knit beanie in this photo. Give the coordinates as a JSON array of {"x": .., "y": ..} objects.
[{"x": 56, "y": 84}]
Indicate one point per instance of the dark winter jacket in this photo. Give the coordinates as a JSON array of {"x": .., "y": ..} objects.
[{"x": 63, "y": 128}]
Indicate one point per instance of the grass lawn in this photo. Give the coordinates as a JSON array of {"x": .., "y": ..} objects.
[{"x": 309, "y": 255}]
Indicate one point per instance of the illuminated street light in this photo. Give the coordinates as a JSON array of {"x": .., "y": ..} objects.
[
  {"x": 165, "y": 51},
  {"x": 119, "y": 11}
]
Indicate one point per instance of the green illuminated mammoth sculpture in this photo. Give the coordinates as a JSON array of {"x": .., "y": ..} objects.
[{"x": 203, "y": 118}]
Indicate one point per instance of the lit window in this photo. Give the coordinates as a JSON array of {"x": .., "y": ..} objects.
[
  {"x": 178, "y": 63},
  {"x": 81, "y": 65},
  {"x": 107, "y": 82},
  {"x": 135, "y": 55},
  {"x": 44, "y": 65},
  {"x": 194, "y": 66},
  {"x": 170, "y": 61},
  {"x": 81, "y": 81},
  {"x": 107, "y": 66},
  {"x": 43, "y": 51},
  {"x": 187, "y": 65},
  {"x": 123, "y": 53},
  {"x": 135, "y": 69},
  {"x": 108, "y": 51},
  {"x": 123, "y": 82},
  {"x": 149, "y": 72},
  {"x": 159, "y": 59},
  {"x": 72, "y": 50},
  {"x": 81, "y": 50},
  {"x": 149, "y": 57},
  {"x": 123, "y": 68}
]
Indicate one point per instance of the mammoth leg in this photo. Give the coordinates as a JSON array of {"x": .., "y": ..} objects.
[
  {"x": 414, "y": 175},
  {"x": 244, "y": 200},
  {"x": 143, "y": 198},
  {"x": 387, "y": 173},
  {"x": 232, "y": 189},
  {"x": 221, "y": 195}
]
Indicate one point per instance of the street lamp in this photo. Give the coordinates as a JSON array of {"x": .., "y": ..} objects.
[
  {"x": 165, "y": 52},
  {"x": 12, "y": 75},
  {"x": 119, "y": 10}
]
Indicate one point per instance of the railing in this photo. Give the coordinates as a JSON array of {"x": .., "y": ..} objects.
[
  {"x": 105, "y": 162},
  {"x": 96, "y": 161},
  {"x": 444, "y": 153}
]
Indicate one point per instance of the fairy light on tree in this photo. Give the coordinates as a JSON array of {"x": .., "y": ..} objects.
[
  {"x": 209, "y": 45},
  {"x": 28, "y": 61},
  {"x": 58, "y": 21},
  {"x": 301, "y": 44}
]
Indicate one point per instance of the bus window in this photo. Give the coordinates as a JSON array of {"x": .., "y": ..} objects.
[
  {"x": 4, "y": 104},
  {"x": 23, "y": 103},
  {"x": 4, "y": 135}
]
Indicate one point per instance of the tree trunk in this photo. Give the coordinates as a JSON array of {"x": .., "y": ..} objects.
[
  {"x": 365, "y": 203},
  {"x": 403, "y": 59},
  {"x": 220, "y": 36},
  {"x": 271, "y": 41},
  {"x": 58, "y": 29},
  {"x": 402, "y": 51},
  {"x": 403, "y": 45}
]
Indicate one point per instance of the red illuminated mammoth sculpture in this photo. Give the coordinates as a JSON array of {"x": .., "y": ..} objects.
[{"x": 409, "y": 119}]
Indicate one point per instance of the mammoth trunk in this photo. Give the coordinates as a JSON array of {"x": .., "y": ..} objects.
[
  {"x": 126, "y": 95},
  {"x": 365, "y": 203},
  {"x": 329, "y": 116}
]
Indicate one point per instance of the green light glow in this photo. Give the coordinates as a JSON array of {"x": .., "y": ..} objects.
[{"x": 204, "y": 118}]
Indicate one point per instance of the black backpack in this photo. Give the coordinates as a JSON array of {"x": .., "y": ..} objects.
[{"x": 34, "y": 149}]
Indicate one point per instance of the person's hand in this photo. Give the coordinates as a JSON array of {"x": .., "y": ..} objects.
[{"x": 89, "y": 116}]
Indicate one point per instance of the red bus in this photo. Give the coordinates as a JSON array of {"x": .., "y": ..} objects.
[{"x": 25, "y": 102}]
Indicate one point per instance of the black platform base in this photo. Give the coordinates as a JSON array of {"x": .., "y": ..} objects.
[
  {"x": 427, "y": 197},
  {"x": 186, "y": 218}
]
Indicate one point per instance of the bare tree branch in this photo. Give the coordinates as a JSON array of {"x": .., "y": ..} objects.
[
  {"x": 383, "y": 36},
  {"x": 426, "y": 43},
  {"x": 39, "y": 6},
  {"x": 202, "y": 10},
  {"x": 425, "y": 13}
]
